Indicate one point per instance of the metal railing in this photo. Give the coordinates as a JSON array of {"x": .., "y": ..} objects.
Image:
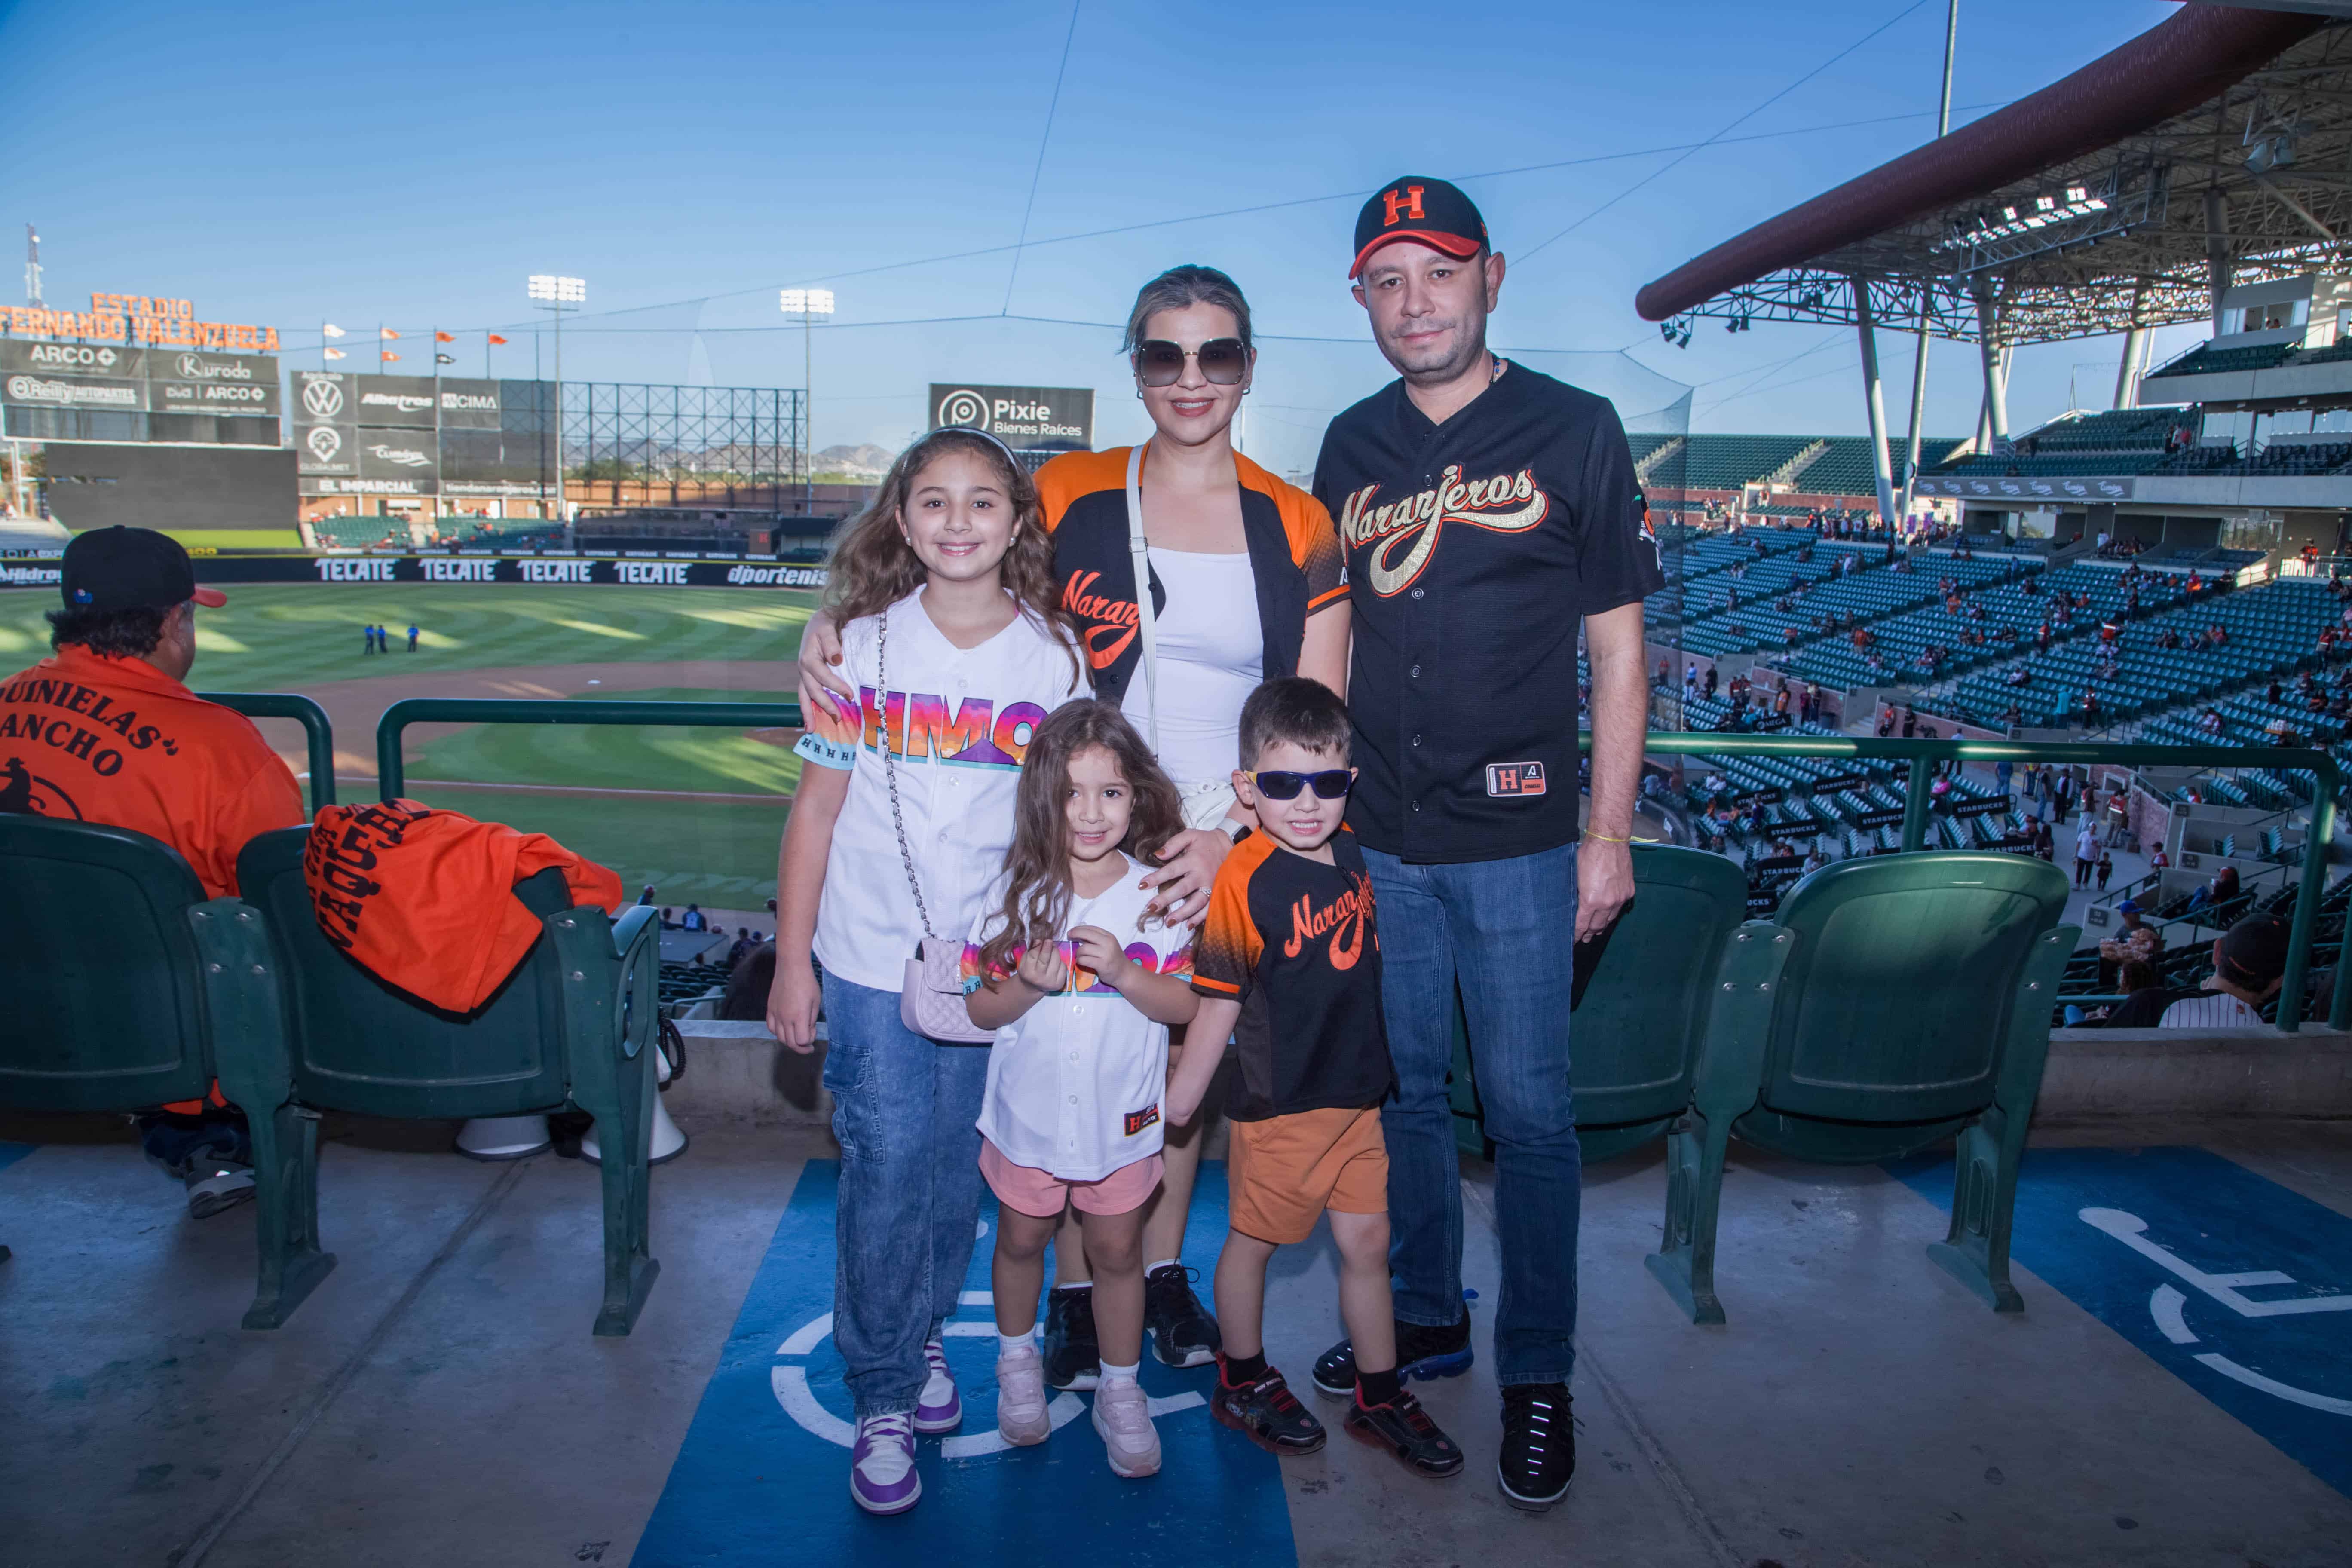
[
  {"x": 1916, "y": 798},
  {"x": 391, "y": 774},
  {"x": 316, "y": 730}
]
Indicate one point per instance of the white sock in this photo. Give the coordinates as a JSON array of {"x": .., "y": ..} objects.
[
  {"x": 1150, "y": 1268},
  {"x": 1023, "y": 1343},
  {"x": 1115, "y": 1375},
  {"x": 1074, "y": 1285}
]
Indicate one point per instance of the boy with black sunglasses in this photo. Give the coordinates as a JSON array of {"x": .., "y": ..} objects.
[{"x": 1288, "y": 964}]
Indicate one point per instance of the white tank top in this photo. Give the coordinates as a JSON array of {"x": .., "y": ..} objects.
[{"x": 1212, "y": 657}]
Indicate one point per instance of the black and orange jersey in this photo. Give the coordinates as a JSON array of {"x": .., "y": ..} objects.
[
  {"x": 1475, "y": 549},
  {"x": 1293, "y": 553},
  {"x": 1296, "y": 943}
]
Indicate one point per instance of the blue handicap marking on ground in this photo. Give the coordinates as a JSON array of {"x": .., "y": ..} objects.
[
  {"x": 12, "y": 1152},
  {"x": 2239, "y": 1286},
  {"x": 763, "y": 1474}
]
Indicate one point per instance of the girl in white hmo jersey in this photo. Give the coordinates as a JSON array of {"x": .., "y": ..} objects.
[{"x": 954, "y": 653}]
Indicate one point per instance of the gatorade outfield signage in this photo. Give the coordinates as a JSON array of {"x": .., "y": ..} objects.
[
  {"x": 1028, "y": 418},
  {"x": 550, "y": 570}
]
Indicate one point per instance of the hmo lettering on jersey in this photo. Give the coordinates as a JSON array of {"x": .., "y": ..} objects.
[
  {"x": 1407, "y": 531},
  {"x": 920, "y": 727}
]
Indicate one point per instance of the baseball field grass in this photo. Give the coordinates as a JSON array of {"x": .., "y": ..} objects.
[{"x": 696, "y": 812}]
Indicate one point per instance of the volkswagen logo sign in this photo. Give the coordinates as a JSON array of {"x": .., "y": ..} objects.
[
  {"x": 964, "y": 406},
  {"x": 323, "y": 442},
  {"x": 323, "y": 398}
]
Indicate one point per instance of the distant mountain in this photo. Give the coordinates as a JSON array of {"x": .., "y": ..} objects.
[{"x": 865, "y": 459}]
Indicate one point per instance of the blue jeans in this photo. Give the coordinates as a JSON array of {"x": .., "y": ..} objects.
[
  {"x": 906, "y": 1113},
  {"x": 1506, "y": 928}
]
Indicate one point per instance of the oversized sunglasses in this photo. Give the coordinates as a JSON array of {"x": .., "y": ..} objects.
[
  {"x": 1329, "y": 784},
  {"x": 1159, "y": 363}
]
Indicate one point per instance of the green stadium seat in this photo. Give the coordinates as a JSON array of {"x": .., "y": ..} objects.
[
  {"x": 570, "y": 1028},
  {"x": 1894, "y": 1002},
  {"x": 1643, "y": 1010},
  {"x": 124, "y": 1006}
]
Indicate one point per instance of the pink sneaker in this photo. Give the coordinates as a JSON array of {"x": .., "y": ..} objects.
[
  {"x": 1123, "y": 1416},
  {"x": 1021, "y": 1414}
]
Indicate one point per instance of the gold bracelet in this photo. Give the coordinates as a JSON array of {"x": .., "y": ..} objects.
[{"x": 1605, "y": 838}]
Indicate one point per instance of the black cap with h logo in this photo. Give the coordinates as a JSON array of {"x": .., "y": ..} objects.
[{"x": 1427, "y": 211}]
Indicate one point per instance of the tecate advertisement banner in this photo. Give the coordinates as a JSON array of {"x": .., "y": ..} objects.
[
  {"x": 550, "y": 571},
  {"x": 1029, "y": 418}
]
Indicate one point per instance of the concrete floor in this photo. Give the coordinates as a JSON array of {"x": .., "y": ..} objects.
[{"x": 440, "y": 1399}]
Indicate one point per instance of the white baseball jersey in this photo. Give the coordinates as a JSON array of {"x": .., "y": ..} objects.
[
  {"x": 958, "y": 722},
  {"x": 1075, "y": 1083}
]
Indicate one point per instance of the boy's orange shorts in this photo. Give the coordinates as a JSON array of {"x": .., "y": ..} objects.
[{"x": 1281, "y": 1173}]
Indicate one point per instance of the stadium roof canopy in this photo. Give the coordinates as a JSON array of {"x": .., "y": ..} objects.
[{"x": 2214, "y": 149}]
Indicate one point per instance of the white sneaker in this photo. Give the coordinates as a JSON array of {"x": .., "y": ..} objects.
[
  {"x": 1020, "y": 1398},
  {"x": 215, "y": 1184},
  {"x": 1123, "y": 1416}
]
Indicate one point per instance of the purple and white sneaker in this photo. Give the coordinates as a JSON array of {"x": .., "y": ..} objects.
[
  {"x": 938, "y": 1408},
  {"x": 882, "y": 1477}
]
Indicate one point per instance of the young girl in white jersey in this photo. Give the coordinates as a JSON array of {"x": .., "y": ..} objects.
[
  {"x": 943, "y": 591},
  {"x": 1080, "y": 983}
]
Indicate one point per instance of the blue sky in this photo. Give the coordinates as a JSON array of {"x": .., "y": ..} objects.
[{"x": 291, "y": 165}]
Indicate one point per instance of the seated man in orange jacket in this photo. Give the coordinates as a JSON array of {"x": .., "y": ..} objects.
[{"x": 103, "y": 731}]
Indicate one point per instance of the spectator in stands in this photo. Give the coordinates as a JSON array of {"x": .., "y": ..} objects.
[
  {"x": 2211, "y": 722},
  {"x": 2217, "y": 892},
  {"x": 2045, "y": 843},
  {"x": 668, "y": 919},
  {"x": 2118, "y": 817},
  {"x": 107, "y": 731},
  {"x": 648, "y": 896},
  {"x": 693, "y": 919},
  {"x": 744, "y": 942},
  {"x": 2134, "y": 978},
  {"x": 1910, "y": 721},
  {"x": 2106, "y": 868},
  {"x": 2086, "y": 852},
  {"x": 753, "y": 976},
  {"x": 2136, "y": 940},
  {"x": 2249, "y": 965}
]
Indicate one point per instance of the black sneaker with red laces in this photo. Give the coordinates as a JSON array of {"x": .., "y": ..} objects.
[
  {"x": 1538, "y": 1453},
  {"x": 1267, "y": 1412},
  {"x": 1405, "y": 1429}
]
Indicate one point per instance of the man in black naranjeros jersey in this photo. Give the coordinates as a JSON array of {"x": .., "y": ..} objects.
[{"x": 1484, "y": 512}]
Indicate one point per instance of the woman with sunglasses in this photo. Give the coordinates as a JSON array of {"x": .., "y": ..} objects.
[{"x": 1247, "y": 587}]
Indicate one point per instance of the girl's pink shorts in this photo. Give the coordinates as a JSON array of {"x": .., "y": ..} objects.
[{"x": 1041, "y": 1194}]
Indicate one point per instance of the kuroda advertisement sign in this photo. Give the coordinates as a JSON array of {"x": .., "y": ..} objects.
[{"x": 1026, "y": 418}]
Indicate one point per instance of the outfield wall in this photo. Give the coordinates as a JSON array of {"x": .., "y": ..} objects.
[{"x": 559, "y": 570}]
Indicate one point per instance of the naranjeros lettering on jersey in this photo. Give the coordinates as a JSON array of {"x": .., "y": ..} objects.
[{"x": 1474, "y": 549}]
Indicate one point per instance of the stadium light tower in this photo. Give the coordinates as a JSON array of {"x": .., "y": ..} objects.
[
  {"x": 807, "y": 304},
  {"x": 549, "y": 292}
]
